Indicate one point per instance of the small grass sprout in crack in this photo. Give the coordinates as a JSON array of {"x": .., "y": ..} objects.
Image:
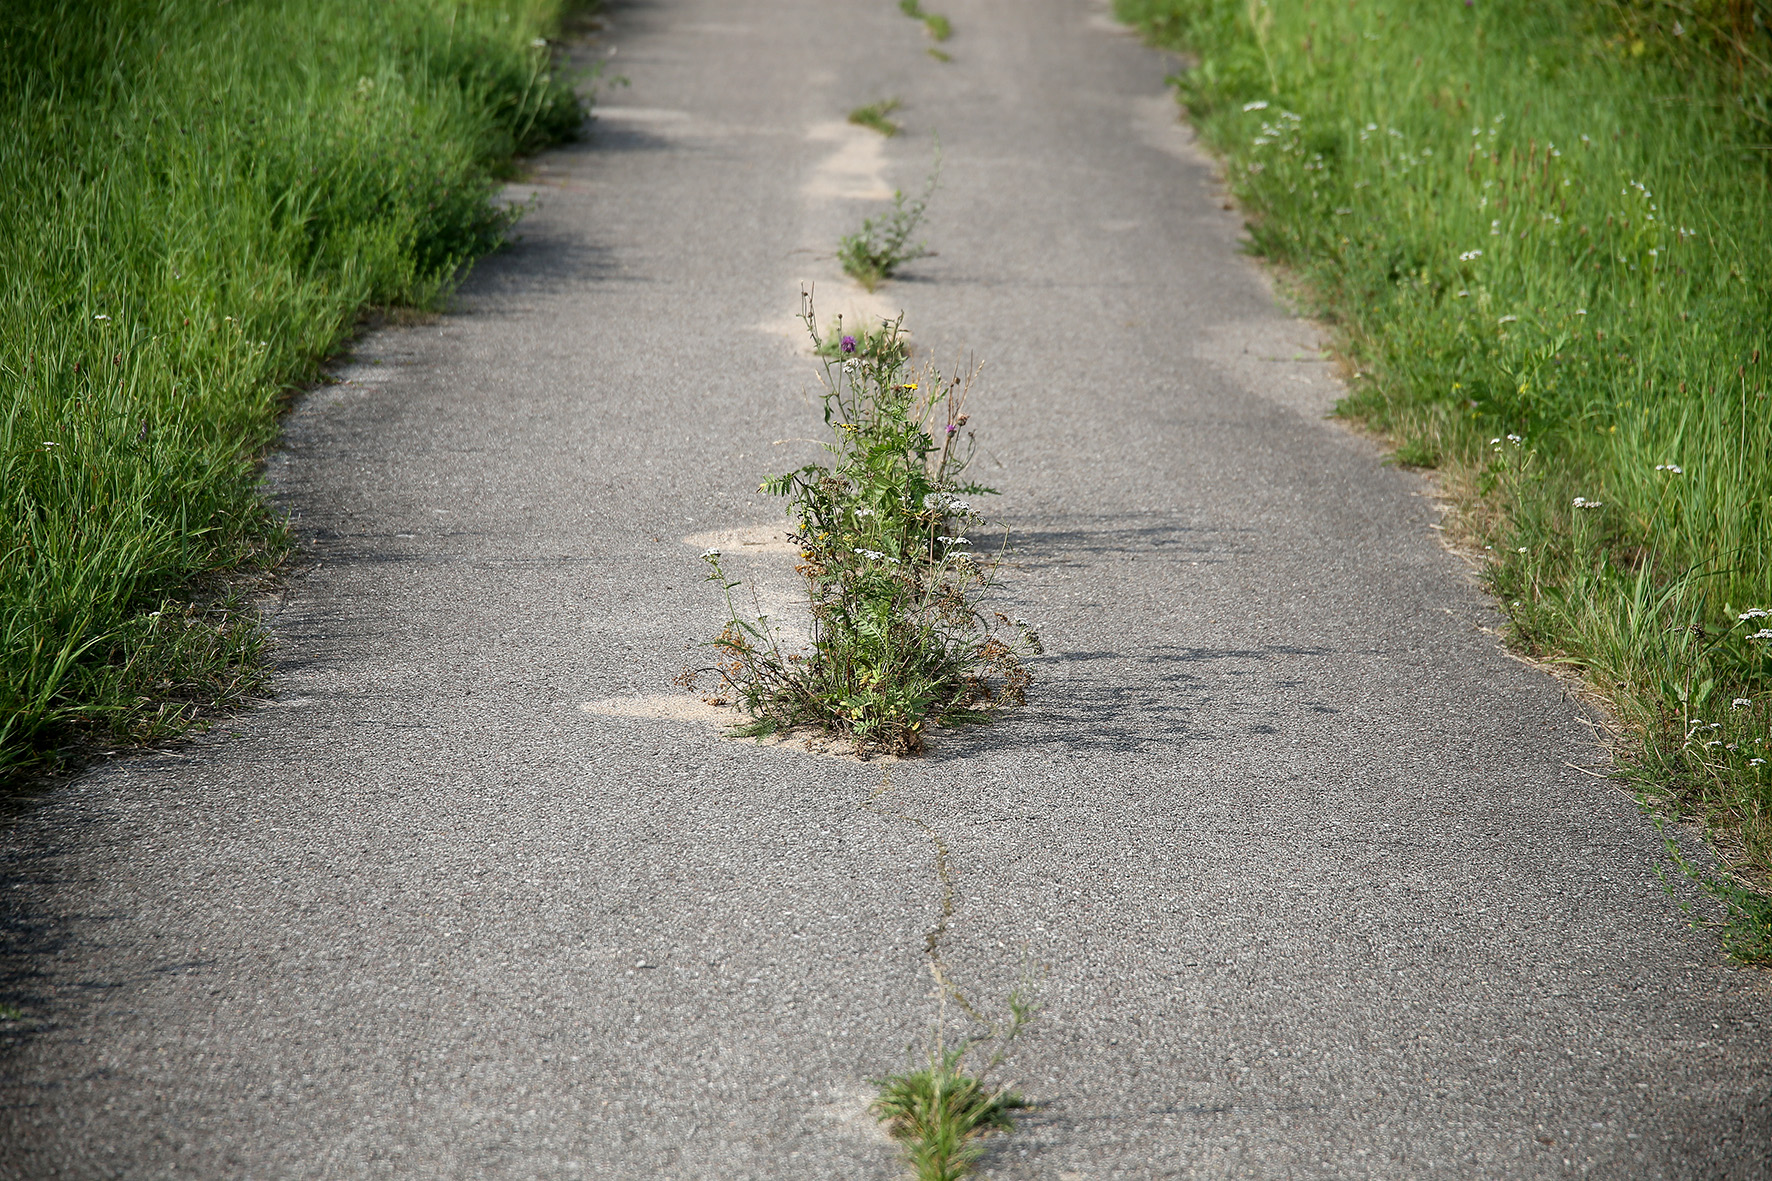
[
  {"x": 876, "y": 117},
  {"x": 871, "y": 256},
  {"x": 942, "y": 1111},
  {"x": 899, "y": 640},
  {"x": 935, "y": 24}
]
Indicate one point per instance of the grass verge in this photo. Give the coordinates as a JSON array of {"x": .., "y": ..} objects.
[
  {"x": 1543, "y": 230},
  {"x": 199, "y": 200}
]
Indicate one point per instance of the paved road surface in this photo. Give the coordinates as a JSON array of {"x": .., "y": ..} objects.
[{"x": 1297, "y": 848}]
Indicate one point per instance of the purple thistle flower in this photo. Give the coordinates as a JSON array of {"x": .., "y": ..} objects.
[
  {"x": 847, "y": 344},
  {"x": 952, "y": 428}
]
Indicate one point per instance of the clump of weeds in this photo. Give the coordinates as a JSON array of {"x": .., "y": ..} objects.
[
  {"x": 877, "y": 342},
  {"x": 942, "y": 1111},
  {"x": 884, "y": 243},
  {"x": 876, "y": 116},
  {"x": 935, "y": 24},
  {"x": 899, "y": 639}
]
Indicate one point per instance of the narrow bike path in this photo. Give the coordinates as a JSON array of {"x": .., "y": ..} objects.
[{"x": 1295, "y": 851}]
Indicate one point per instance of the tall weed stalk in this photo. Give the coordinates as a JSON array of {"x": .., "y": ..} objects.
[{"x": 899, "y": 639}]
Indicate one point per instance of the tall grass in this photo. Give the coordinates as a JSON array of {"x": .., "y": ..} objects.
[
  {"x": 199, "y": 199},
  {"x": 1552, "y": 220}
]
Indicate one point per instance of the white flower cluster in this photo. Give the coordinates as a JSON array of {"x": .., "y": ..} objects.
[
  {"x": 1672, "y": 469},
  {"x": 710, "y": 554},
  {"x": 1753, "y": 613},
  {"x": 946, "y": 502},
  {"x": 953, "y": 541},
  {"x": 874, "y": 555},
  {"x": 1470, "y": 256},
  {"x": 1584, "y": 502}
]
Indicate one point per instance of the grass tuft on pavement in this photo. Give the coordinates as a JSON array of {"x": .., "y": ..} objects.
[
  {"x": 199, "y": 200},
  {"x": 1544, "y": 231}
]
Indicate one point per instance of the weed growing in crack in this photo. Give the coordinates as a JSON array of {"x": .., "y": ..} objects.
[
  {"x": 899, "y": 640},
  {"x": 942, "y": 1111},
  {"x": 935, "y": 24},
  {"x": 877, "y": 117},
  {"x": 884, "y": 242}
]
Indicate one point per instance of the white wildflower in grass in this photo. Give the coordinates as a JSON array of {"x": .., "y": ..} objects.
[
  {"x": 1739, "y": 702},
  {"x": 1508, "y": 320},
  {"x": 1581, "y": 311},
  {"x": 1258, "y": 105},
  {"x": 1470, "y": 256},
  {"x": 1584, "y": 502},
  {"x": 1764, "y": 633},
  {"x": 1756, "y": 762},
  {"x": 1522, "y": 550},
  {"x": 101, "y": 317},
  {"x": 1672, "y": 469},
  {"x": 1495, "y": 228},
  {"x": 1753, "y": 613}
]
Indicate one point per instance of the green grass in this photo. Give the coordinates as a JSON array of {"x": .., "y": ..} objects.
[
  {"x": 876, "y": 116},
  {"x": 199, "y": 200},
  {"x": 1550, "y": 219},
  {"x": 941, "y": 1113}
]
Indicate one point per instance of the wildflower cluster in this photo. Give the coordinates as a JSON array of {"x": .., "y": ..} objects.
[{"x": 899, "y": 642}]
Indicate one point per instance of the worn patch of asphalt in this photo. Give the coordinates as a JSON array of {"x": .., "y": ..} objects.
[{"x": 1297, "y": 846}]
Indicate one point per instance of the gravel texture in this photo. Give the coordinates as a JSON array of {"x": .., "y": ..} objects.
[{"x": 1306, "y": 865}]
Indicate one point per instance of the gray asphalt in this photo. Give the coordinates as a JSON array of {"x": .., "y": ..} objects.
[{"x": 1295, "y": 849}]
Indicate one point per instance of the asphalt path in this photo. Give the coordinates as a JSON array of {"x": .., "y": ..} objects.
[{"x": 1313, "y": 878}]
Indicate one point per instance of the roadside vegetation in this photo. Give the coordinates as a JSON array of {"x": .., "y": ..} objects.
[
  {"x": 200, "y": 200},
  {"x": 1543, "y": 229}
]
